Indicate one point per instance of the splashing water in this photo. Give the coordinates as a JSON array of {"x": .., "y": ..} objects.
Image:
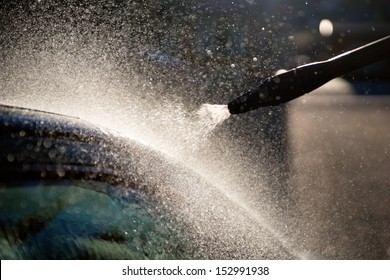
[
  {"x": 94, "y": 60},
  {"x": 85, "y": 81},
  {"x": 202, "y": 123},
  {"x": 103, "y": 97},
  {"x": 213, "y": 115}
]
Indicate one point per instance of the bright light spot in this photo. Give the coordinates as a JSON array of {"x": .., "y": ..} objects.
[
  {"x": 255, "y": 59},
  {"x": 326, "y": 28},
  {"x": 280, "y": 71},
  {"x": 336, "y": 86},
  {"x": 233, "y": 65}
]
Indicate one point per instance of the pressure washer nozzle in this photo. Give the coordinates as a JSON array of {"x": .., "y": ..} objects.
[
  {"x": 281, "y": 88},
  {"x": 304, "y": 79},
  {"x": 270, "y": 92}
]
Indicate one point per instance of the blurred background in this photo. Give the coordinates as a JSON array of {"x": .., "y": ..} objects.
[{"x": 317, "y": 167}]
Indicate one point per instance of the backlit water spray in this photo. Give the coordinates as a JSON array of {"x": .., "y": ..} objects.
[
  {"x": 231, "y": 211},
  {"x": 213, "y": 115},
  {"x": 223, "y": 214}
]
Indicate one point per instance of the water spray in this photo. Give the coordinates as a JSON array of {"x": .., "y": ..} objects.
[{"x": 296, "y": 82}]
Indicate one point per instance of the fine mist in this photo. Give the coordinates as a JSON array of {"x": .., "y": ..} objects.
[{"x": 87, "y": 60}]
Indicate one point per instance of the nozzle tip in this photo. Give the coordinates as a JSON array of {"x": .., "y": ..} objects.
[
  {"x": 245, "y": 102},
  {"x": 236, "y": 107}
]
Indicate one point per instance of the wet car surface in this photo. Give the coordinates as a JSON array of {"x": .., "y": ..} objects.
[
  {"x": 67, "y": 192},
  {"x": 72, "y": 191}
]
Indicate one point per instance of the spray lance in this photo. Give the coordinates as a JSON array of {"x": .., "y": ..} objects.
[{"x": 296, "y": 82}]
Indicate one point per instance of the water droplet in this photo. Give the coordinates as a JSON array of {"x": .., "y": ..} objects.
[
  {"x": 60, "y": 172},
  {"x": 10, "y": 157},
  {"x": 52, "y": 153},
  {"x": 47, "y": 143}
]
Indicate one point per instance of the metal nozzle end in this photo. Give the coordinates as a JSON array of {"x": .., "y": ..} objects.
[
  {"x": 250, "y": 100},
  {"x": 271, "y": 92},
  {"x": 236, "y": 107},
  {"x": 244, "y": 103}
]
